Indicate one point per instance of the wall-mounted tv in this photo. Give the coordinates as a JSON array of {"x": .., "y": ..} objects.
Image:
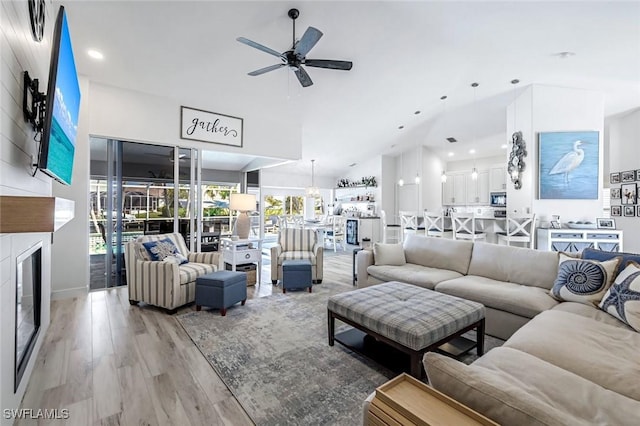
[{"x": 59, "y": 135}]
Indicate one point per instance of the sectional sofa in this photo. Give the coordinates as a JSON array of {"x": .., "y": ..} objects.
[{"x": 563, "y": 363}]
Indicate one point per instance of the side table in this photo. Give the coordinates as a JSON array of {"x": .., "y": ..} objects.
[
  {"x": 238, "y": 252},
  {"x": 355, "y": 275}
]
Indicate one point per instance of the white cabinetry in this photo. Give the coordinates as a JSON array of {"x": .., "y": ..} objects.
[
  {"x": 478, "y": 189},
  {"x": 454, "y": 191},
  {"x": 573, "y": 240},
  {"x": 498, "y": 178}
]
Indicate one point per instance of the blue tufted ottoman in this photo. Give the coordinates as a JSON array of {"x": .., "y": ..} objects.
[
  {"x": 296, "y": 274},
  {"x": 221, "y": 289}
]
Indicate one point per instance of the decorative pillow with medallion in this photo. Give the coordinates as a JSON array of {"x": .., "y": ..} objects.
[
  {"x": 623, "y": 298},
  {"x": 164, "y": 249},
  {"x": 583, "y": 281}
]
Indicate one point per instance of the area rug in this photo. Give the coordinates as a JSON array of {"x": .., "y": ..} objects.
[{"x": 274, "y": 357}]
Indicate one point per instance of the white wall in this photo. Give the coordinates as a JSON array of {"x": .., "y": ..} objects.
[
  {"x": 624, "y": 154},
  {"x": 431, "y": 181},
  {"x": 483, "y": 163},
  {"x": 545, "y": 109},
  {"x": 19, "y": 52}
]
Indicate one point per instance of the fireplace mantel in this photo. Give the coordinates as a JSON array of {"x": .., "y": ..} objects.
[{"x": 34, "y": 214}]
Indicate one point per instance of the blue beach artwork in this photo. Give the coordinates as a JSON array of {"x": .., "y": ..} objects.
[{"x": 568, "y": 165}]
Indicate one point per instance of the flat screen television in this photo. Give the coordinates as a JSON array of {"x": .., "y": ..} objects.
[{"x": 58, "y": 143}]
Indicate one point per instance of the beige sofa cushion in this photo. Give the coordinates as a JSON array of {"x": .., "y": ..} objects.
[
  {"x": 526, "y": 301},
  {"x": 413, "y": 274},
  {"x": 514, "y": 264},
  {"x": 439, "y": 253},
  {"x": 601, "y": 353},
  {"x": 388, "y": 254},
  {"x": 494, "y": 395},
  {"x": 590, "y": 312}
]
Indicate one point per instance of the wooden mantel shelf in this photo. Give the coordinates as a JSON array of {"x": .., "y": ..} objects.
[{"x": 34, "y": 214}]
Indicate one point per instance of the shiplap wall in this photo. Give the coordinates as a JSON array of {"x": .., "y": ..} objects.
[{"x": 19, "y": 53}]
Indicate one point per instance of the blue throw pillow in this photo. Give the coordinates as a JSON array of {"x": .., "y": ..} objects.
[
  {"x": 163, "y": 249},
  {"x": 583, "y": 281},
  {"x": 601, "y": 256}
]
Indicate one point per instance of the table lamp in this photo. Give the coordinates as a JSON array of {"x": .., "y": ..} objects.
[{"x": 243, "y": 203}]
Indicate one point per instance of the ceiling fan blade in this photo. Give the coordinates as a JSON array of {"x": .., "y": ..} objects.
[
  {"x": 303, "y": 77},
  {"x": 266, "y": 69},
  {"x": 329, "y": 63},
  {"x": 306, "y": 43},
  {"x": 259, "y": 46}
]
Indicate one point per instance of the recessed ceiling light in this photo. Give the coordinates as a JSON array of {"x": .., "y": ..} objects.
[
  {"x": 472, "y": 151},
  {"x": 352, "y": 164},
  {"x": 504, "y": 146},
  {"x": 450, "y": 154},
  {"x": 95, "y": 54},
  {"x": 417, "y": 112},
  {"x": 400, "y": 127},
  {"x": 565, "y": 55}
]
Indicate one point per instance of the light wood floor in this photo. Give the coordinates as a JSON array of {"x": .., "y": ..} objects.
[{"x": 110, "y": 363}]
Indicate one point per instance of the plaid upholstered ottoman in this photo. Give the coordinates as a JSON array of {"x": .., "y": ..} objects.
[{"x": 412, "y": 319}]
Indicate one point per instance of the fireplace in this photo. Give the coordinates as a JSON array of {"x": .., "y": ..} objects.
[{"x": 28, "y": 303}]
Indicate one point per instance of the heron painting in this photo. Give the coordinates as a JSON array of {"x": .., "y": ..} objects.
[{"x": 568, "y": 165}]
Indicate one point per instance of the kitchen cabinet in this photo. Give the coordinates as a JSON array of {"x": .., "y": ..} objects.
[
  {"x": 477, "y": 190},
  {"x": 498, "y": 178},
  {"x": 454, "y": 190}
]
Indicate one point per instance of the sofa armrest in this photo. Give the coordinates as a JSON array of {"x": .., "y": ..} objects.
[
  {"x": 212, "y": 258},
  {"x": 275, "y": 253},
  {"x": 145, "y": 279},
  {"x": 318, "y": 251},
  {"x": 364, "y": 259}
]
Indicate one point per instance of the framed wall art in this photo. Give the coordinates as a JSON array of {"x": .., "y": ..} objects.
[
  {"x": 568, "y": 165},
  {"x": 628, "y": 193},
  {"x": 629, "y": 210},
  {"x": 206, "y": 126},
  {"x": 615, "y": 193},
  {"x": 606, "y": 223},
  {"x": 628, "y": 176},
  {"x": 638, "y": 174},
  {"x": 616, "y": 210},
  {"x": 614, "y": 177}
]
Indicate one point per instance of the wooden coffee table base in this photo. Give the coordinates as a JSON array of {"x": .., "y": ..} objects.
[{"x": 414, "y": 355}]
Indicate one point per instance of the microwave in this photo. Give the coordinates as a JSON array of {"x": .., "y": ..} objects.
[{"x": 498, "y": 199}]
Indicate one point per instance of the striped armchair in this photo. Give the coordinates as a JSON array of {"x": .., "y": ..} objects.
[
  {"x": 297, "y": 243},
  {"x": 165, "y": 284}
]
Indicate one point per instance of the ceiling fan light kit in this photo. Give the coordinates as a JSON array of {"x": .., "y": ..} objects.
[{"x": 295, "y": 57}]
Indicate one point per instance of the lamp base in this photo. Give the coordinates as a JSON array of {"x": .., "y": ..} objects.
[{"x": 243, "y": 225}]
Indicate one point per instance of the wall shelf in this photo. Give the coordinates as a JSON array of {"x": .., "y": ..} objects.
[{"x": 34, "y": 214}]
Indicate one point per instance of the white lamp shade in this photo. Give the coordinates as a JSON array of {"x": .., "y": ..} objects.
[{"x": 243, "y": 202}]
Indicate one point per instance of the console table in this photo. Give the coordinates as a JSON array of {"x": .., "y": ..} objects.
[
  {"x": 406, "y": 400},
  {"x": 238, "y": 252},
  {"x": 573, "y": 240}
]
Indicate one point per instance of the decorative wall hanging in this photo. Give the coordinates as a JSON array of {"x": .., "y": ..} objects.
[
  {"x": 516, "y": 159},
  {"x": 205, "y": 126},
  {"x": 568, "y": 165}
]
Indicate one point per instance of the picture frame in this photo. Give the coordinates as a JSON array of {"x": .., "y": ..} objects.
[
  {"x": 629, "y": 194},
  {"x": 628, "y": 176},
  {"x": 638, "y": 174},
  {"x": 614, "y": 177},
  {"x": 615, "y": 193},
  {"x": 616, "y": 210},
  {"x": 555, "y": 224},
  {"x": 212, "y": 127},
  {"x": 606, "y": 223},
  {"x": 638, "y": 207},
  {"x": 568, "y": 165},
  {"x": 629, "y": 211}
]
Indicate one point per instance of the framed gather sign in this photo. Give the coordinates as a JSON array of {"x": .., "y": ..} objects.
[{"x": 206, "y": 126}]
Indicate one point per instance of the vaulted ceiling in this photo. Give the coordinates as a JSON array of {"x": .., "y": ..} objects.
[{"x": 406, "y": 55}]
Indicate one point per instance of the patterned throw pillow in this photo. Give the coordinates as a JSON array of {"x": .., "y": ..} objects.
[
  {"x": 583, "y": 281},
  {"x": 623, "y": 298},
  {"x": 162, "y": 249}
]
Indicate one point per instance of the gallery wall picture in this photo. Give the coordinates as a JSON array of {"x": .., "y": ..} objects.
[
  {"x": 615, "y": 193},
  {"x": 628, "y": 176},
  {"x": 629, "y": 210},
  {"x": 614, "y": 177},
  {"x": 616, "y": 210},
  {"x": 638, "y": 213},
  {"x": 568, "y": 165},
  {"x": 638, "y": 174},
  {"x": 629, "y": 194}
]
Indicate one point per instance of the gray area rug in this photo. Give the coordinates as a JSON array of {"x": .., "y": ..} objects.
[{"x": 274, "y": 357}]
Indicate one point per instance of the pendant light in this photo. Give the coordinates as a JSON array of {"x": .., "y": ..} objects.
[
  {"x": 312, "y": 191},
  {"x": 401, "y": 181},
  {"x": 443, "y": 176},
  {"x": 474, "y": 171}
]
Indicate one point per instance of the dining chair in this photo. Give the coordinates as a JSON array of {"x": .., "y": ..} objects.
[
  {"x": 408, "y": 222},
  {"x": 434, "y": 225},
  {"x": 335, "y": 233},
  {"x": 390, "y": 231},
  {"x": 519, "y": 229},
  {"x": 465, "y": 227}
]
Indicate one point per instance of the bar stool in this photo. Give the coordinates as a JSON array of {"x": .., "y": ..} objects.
[
  {"x": 465, "y": 227},
  {"x": 519, "y": 229},
  {"x": 390, "y": 231},
  {"x": 408, "y": 222},
  {"x": 434, "y": 225}
]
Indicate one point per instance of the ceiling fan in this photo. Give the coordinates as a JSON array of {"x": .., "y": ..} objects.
[
  {"x": 169, "y": 155},
  {"x": 296, "y": 56}
]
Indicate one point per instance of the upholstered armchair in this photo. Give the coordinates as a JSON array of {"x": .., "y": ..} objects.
[
  {"x": 165, "y": 283},
  {"x": 296, "y": 243}
]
